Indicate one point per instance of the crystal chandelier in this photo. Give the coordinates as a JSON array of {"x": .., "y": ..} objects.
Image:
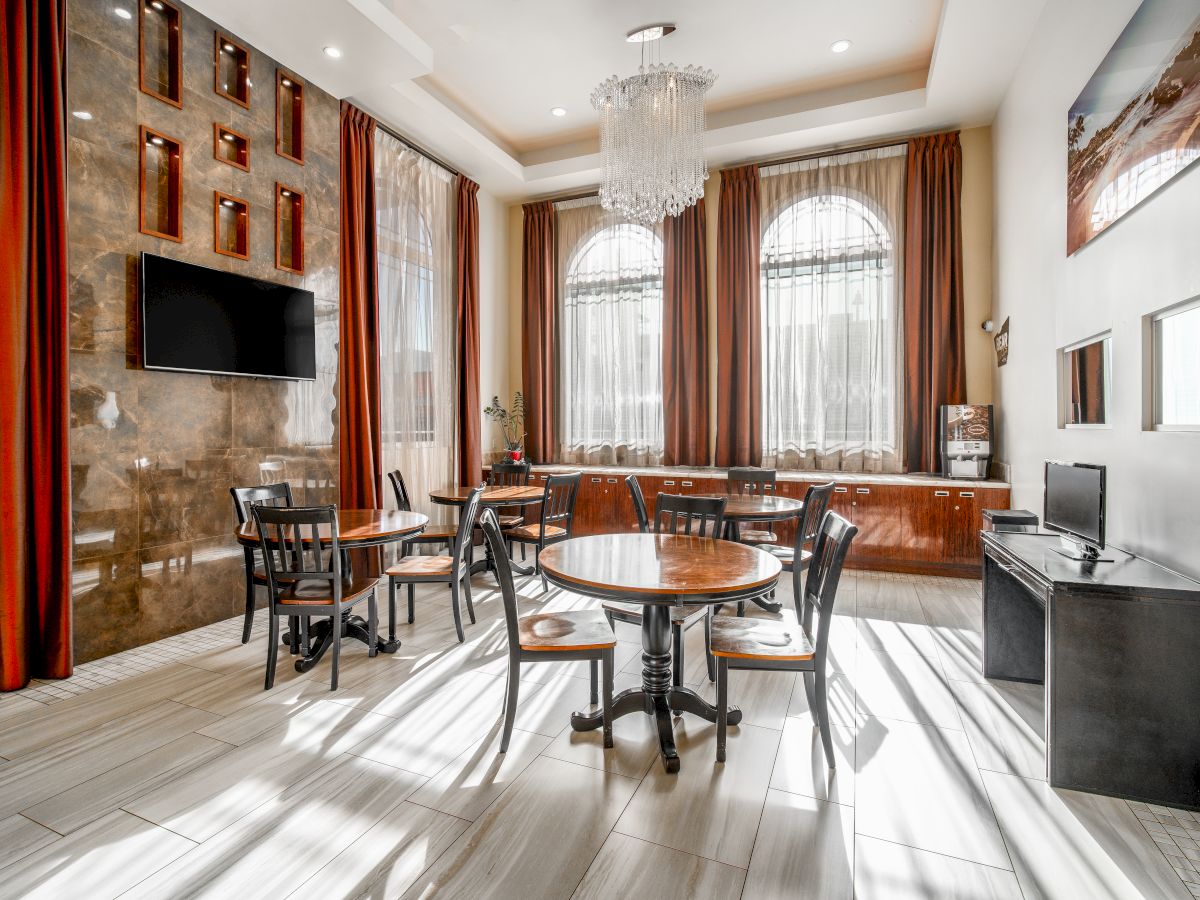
[{"x": 652, "y": 135}]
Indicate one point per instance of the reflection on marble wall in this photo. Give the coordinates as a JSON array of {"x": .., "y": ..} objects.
[{"x": 154, "y": 453}]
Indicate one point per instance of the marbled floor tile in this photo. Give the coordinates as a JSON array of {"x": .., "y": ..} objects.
[
  {"x": 918, "y": 785},
  {"x": 804, "y": 849},
  {"x": 547, "y": 708},
  {"x": 763, "y": 697},
  {"x": 325, "y": 813},
  {"x": 99, "y": 796},
  {"x": 100, "y": 861},
  {"x": 896, "y": 631},
  {"x": 840, "y": 698},
  {"x": 20, "y": 836},
  {"x": 904, "y": 686},
  {"x": 887, "y": 871},
  {"x": 952, "y": 609},
  {"x": 627, "y": 867},
  {"x": 388, "y": 858},
  {"x": 1069, "y": 844},
  {"x": 801, "y": 767},
  {"x": 504, "y": 854},
  {"x": 876, "y": 591},
  {"x": 634, "y": 749},
  {"x": 960, "y": 651},
  {"x": 708, "y": 808},
  {"x": 15, "y": 708},
  {"x": 1005, "y": 722}
]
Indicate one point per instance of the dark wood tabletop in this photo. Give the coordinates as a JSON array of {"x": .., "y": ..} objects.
[
  {"x": 358, "y": 527},
  {"x": 493, "y": 495},
  {"x": 759, "y": 508},
  {"x": 657, "y": 567}
]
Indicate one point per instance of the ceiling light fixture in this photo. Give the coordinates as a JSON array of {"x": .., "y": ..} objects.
[
  {"x": 652, "y": 134},
  {"x": 333, "y": 52},
  {"x": 228, "y": 136},
  {"x": 286, "y": 192},
  {"x": 156, "y": 141},
  {"x": 122, "y": 13},
  {"x": 157, "y": 5},
  {"x": 228, "y": 203},
  {"x": 229, "y": 48},
  {"x": 558, "y": 111},
  {"x": 840, "y": 46},
  {"x": 82, "y": 114},
  {"x": 285, "y": 82}
]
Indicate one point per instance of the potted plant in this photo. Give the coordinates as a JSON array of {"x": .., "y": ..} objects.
[{"x": 511, "y": 422}]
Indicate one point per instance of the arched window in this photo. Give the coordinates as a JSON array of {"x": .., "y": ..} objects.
[
  {"x": 610, "y": 365},
  {"x": 830, "y": 324}
]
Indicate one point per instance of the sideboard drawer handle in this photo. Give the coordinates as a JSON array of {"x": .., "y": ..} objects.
[
  {"x": 685, "y": 484},
  {"x": 840, "y": 490},
  {"x": 668, "y": 481},
  {"x": 941, "y": 493},
  {"x": 612, "y": 481},
  {"x": 597, "y": 480},
  {"x": 966, "y": 493},
  {"x": 862, "y": 490}
]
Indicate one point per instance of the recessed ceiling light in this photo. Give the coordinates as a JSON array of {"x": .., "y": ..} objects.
[
  {"x": 229, "y": 48},
  {"x": 157, "y": 141},
  {"x": 82, "y": 114},
  {"x": 649, "y": 33},
  {"x": 228, "y": 136},
  {"x": 286, "y": 193},
  {"x": 558, "y": 111},
  {"x": 840, "y": 46},
  {"x": 286, "y": 83},
  {"x": 122, "y": 13},
  {"x": 333, "y": 52},
  {"x": 157, "y": 5},
  {"x": 228, "y": 203}
]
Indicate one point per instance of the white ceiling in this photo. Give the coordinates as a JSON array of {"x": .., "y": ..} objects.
[{"x": 474, "y": 80}]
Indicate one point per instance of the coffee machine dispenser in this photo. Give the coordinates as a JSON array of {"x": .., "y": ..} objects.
[{"x": 966, "y": 439}]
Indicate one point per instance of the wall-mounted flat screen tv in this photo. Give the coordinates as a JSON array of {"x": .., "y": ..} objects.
[{"x": 196, "y": 319}]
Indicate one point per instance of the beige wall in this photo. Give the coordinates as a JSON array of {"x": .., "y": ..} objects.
[
  {"x": 977, "y": 274},
  {"x": 494, "y": 301}
]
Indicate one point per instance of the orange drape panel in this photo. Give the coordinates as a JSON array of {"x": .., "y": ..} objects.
[
  {"x": 739, "y": 320},
  {"x": 685, "y": 339},
  {"x": 538, "y": 331},
  {"x": 935, "y": 371},
  {"x": 470, "y": 454},
  {"x": 361, "y": 482},
  {"x": 35, "y": 473}
]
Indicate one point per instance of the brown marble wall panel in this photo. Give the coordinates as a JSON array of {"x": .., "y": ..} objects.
[{"x": 154, "y": 553}]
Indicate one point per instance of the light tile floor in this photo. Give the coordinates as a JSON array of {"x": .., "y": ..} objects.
[{"x": 167, "y": 771}]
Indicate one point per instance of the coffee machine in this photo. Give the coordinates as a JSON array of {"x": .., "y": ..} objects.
[{"x": 966, "y": 440}]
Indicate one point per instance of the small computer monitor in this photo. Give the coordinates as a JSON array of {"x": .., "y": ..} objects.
[{"x": 1075, "y": 504}]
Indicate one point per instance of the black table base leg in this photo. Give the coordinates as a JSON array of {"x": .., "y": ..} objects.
[
  {"x": 321, "y": 636},
  {"x": 686, "y": 700},
  {"x": 770, "y": 606}
]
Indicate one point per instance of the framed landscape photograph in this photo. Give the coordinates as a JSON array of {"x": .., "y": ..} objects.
[{"x": 1136, "y": 125}]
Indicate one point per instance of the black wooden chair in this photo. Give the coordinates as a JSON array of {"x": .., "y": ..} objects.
[
  {"x": 675, "y": 514},
  {"x": 739, "y": 643},
  {"x": 639, "y": 504},
  {"x": 269, "y": 495},
  {"x": 454, "y": 570},
  {"x": 549, "y": 637},
  {"x": 305, "y": 576},
  {"x": 510, "y": 474},
  {"x": 554, "y": 525},
  {"x": 751, "y": 480},
  {"x": 439, "y": 535},
  {"x": 795, "y": 558}
]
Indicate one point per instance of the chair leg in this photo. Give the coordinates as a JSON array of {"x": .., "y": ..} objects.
[
  {"x": 294, "y": 634},
  {"x": 823, "y": 720},
  {"x": 336, "y": 649},
  {"x": 537, "y": 565},
  {"x": 594, "y": 681},
  {"x": 249, "y": 623},
  {"x": 606, "y": 666},
  {"x": 466, "y": 583},
  {"x": 722, "y": 706},
  {"x": 272, "y": 648},
  {"x": 412, "y": 596},
  {"x": 304, "y": 636},
  {"x": 372, "y": 625},
  {"x": 392, "y": 610},
  {"x": 708, "y": 657},
  {"x": 677, "y": 656},
  {"x": 457, "y": 613},
  {"x": 741, "y": 608},
  {"x": 510, "y": 701},
  {"x": 810, "y": 694}
]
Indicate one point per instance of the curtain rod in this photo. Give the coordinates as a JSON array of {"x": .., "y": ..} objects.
[
  {"x": 417, "y": 147},
  {"x": 831, "y": 151}
]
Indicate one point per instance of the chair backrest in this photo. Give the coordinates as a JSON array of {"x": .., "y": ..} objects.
[
  {"x": 466, "y": 524},
  {"x": 291, "y": 544},
  {"x": 683, "y": 514},
  {"x": 266, "y": 494},
  {"x": 495, "y": 540},
  {"x": 824, "y": 573},
  {"x": 816, "y": 501},
  {"x": 510, "y": 474},
  {"x": 751, "y": 480},
  {"x": 403, "y": 502},
  {"x": 558, "y": 506},
  {"x": 639, "y": 504}
]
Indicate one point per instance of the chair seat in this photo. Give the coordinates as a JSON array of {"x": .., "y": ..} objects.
[
  {"x": 746, "y": 638},
  {"x": 511, "y": 521},
  {"x": 533, "y": 533},
  {"x": 632, "y": 612},
  {"x": 580, "y": 630},
  {"x": 260, "y": 576},
  {"x": 417, "y": 566},
  {"x": 434, "y": 534},
  {"x": 786, "y": 556},
  {"x": 757, "y": 536},
  {"x": 317, "y": 592}
]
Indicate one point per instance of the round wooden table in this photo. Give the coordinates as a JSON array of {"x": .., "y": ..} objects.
[
  {"x": 659, "y": 571},
  {"x": 742, "y": 508},
  {"x": 357, "y": 529},
  {"x": 493, "y": 495}
]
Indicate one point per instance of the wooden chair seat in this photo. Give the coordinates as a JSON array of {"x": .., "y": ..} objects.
[
  {"x": 316, "y": 593},
  {"x": 581, "y": 630},
  {"x": 757, "y": 536},
  {"x": 786, "y": 555},
  {"x": 511, "y": 521},
  {"x": 420, "y": 566},
  {"x": 533, "y": 533},
  {"x": 434, "y": 534},
  {"x": 738, "y": 638},
  {"x": 632, "y": 612}
]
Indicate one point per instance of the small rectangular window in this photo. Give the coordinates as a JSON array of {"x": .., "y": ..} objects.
[
  {"x": 1176, "y": 367},
  {"x": 1085, "y": 383}
]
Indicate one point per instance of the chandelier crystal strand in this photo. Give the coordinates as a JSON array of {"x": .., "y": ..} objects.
[{"x": 652, "y": 140}]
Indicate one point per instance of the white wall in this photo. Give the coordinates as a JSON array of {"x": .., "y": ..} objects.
[
  {"x": 493, "y": 311},
  {"x": 1147, "y": 261}
]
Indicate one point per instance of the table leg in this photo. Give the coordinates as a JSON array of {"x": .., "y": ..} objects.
[{"x": 321, "y": 636}]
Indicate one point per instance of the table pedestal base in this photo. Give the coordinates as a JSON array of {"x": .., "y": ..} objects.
[
  {"x": 321, "y": 636},
  {"x": 656, "y": 697}
]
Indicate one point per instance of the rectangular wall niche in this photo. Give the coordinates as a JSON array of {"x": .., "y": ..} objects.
[
  {"x": 289, "y": 117},
  {"x": 231, "y": 147},
  {"x": 231, "y": 70},
  {"x": 160, "y": 185},
  {"x": 160, "y": 52},
  {"x": 289, "y": 229},
  {"x": 231, "y": 226}
]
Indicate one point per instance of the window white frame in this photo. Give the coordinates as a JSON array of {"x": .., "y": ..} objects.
[{"x": 1152, "y": 368}]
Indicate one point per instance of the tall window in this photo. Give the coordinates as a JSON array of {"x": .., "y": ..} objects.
[
  {"x": 831, "y": 312},
  {"x": 610, "y": 348}
]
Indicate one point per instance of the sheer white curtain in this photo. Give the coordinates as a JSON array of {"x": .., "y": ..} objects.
[
  {"x": 610, "y": 274},
  {"x": 417, "y": 314},
  {"x": 832, "y": 250}
]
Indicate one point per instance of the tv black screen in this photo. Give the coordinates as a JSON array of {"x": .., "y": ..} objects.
[
  {"x": 196, "y": 319},
  {"x": 1075, "y": 501}
]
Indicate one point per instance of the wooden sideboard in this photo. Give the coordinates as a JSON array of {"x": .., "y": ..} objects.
[{"x": 915, "y": 524}]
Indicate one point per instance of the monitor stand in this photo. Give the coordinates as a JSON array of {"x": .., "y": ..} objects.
[{"x": 1078, "y": 550}]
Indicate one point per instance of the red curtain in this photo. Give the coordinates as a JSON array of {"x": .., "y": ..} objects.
[
  {"x": 685, "y": 339},
  {"x": 361, "y": 482},
  {"x": 35, "y": 555},
  {"x": 935, "y": 370},
  {"x": 538, "y": 330},
  {"x": 470, "y": 453},
  {"x": 739, "y": 321}
]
